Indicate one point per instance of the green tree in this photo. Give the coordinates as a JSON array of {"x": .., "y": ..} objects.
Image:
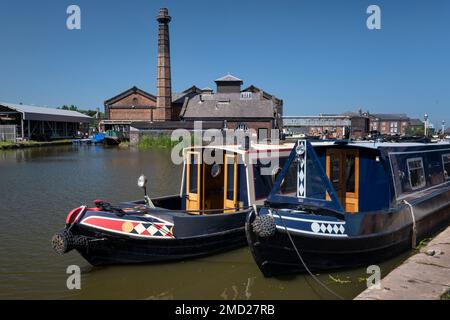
[
  {"x": 70, "y": 108},
  {"x": 415, "y": 131}
]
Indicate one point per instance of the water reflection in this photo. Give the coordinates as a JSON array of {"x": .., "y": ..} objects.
[{"x": 39, "y": 186}]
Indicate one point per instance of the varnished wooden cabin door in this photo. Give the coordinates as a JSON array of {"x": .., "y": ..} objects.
[
  {"x": 230, "y": 201},
  {"x": 343, "y": 172},
  {"x": 193, "y": 169}
]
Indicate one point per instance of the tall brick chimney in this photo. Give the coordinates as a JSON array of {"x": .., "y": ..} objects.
[{"x": 164, "y": 81}]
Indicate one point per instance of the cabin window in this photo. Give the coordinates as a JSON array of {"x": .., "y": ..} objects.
[
  {"x": 446, "y": 165},
  {"x": 416, "y": 173},
  {"x": 350, "y": 172},
  {"x": 335, "y": 176},
  {"x": 230, "y": 178},
  {"x": 193, "y": 173}
]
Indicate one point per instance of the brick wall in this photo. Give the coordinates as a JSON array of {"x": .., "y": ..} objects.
[
  {"x": 132, "y": 107},
  {"x": 130, "y": 114}
]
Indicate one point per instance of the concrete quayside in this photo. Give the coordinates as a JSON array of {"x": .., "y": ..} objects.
[{"x": 424, "y": 276}]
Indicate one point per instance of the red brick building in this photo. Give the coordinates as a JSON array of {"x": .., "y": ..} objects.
[
  {"x": 229, "y": 106},
  {"x": 132, "y": 104},
  {"x": 389, "y": 124},
  {"x": 135, "y": 105}
]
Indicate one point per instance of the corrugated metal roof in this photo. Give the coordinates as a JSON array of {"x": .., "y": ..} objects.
[{"x": 47, "y": 114}]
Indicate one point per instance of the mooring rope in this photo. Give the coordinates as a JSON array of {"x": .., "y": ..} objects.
[
  {"x": 414, "y": 228},
  {"x": 304, "y": 264}
]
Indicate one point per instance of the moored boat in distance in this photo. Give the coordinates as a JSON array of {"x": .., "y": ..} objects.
[
  {"x": 112, "y": 138},
  {"x": 347, "y": 204},
  {"x": 82, "y": 141},
  {"x": 98, "y": 137},
  {"x": 207, "y": 216}
]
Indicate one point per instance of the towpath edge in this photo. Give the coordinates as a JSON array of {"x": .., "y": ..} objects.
[{"x": 424, "y": 276}]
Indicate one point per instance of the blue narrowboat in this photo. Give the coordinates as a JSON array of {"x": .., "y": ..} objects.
[
  {"x": 345, "y": 204},
  {"x": 219, "y": 186}
]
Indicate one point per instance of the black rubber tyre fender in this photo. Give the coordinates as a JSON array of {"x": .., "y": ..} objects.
[
  {"x": 64, "y": 241},
  {"x": 61, "y": 242},
  {"x": 264, "y": 226}
]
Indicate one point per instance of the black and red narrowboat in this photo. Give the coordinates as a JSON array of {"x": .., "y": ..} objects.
[
  {"x": 207, "y": 216},
  {"x": 346, "y": 204}
]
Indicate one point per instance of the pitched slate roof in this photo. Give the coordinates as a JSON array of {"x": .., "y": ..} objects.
[
  {"x": 391, "y": 116},
  {"x": 265, "y": 94},
  {"x": 46, "y": 114},
  {"x": 177, "y": 97},
  {"x": 229, "y": 78},
  {"x": 126, "y": 93},
  {"x": 228, "y": 106}
]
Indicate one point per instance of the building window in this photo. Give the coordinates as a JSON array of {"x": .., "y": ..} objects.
[
  {"x": 393, "y": 127},
  {"x": 242, "y": 126},
  {"x": 416, "y": 173},
  {"x": 246, "y": 95},
  {"x": 263, "y": 135},
  {"x": 446, "y": 165},
  {"x": 394, "y": 124}
]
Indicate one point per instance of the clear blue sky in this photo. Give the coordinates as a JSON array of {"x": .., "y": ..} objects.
[{"x": 318, "y": 56}]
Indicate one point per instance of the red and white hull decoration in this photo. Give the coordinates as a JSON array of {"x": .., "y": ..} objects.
[{"x": 132, "y": 228}]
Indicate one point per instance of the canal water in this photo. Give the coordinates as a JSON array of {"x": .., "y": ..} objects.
[{"x": 39, "y": 186}]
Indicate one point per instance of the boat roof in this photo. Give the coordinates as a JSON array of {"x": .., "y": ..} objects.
[
  {"x": 256, "y": 147},
  {"x": 375, "y": 145}
]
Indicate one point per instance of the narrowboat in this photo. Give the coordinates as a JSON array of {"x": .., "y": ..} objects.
[
  {"x": 219, "y": 186},
  {"x": 350, "y": 204}
]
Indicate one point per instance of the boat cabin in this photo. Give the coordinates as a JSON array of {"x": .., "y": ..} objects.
[
  {"x": 364, "y": 176},
  {"x": 229, "y": 178}
]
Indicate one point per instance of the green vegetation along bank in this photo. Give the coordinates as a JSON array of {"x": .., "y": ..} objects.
[{"x": 5, "y": 145}]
